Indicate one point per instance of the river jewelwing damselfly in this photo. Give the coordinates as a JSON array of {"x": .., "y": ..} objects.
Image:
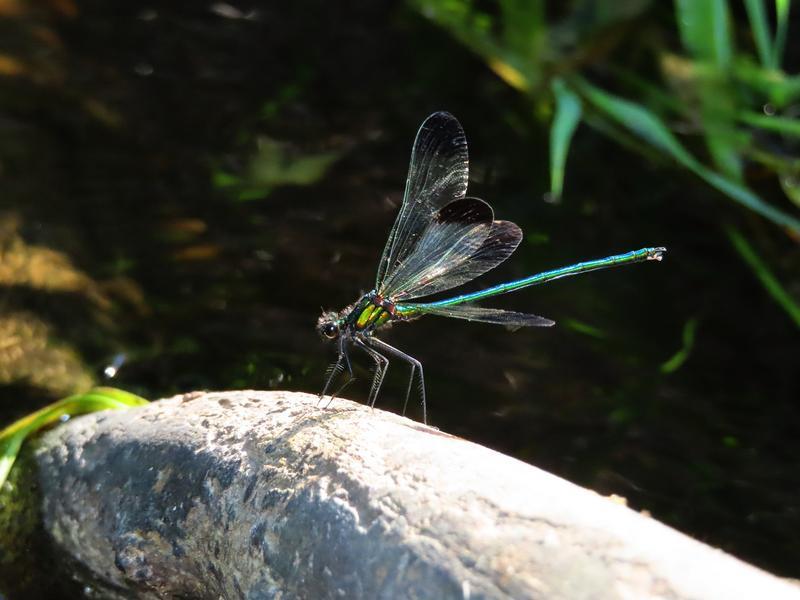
[{"x": 440, "y": 240}]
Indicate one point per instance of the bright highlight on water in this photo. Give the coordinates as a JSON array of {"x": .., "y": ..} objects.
[{"x": 440, "y": 240}]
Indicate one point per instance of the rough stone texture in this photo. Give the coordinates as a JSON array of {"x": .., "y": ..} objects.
[{"x": 264, "y": 495}]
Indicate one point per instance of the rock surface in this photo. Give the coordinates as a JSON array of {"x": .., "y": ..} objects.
[{"x": 265, "y": 495}]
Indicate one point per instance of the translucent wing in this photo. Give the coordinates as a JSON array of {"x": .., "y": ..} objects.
[
  {"x": 471, "y": 312},
  {"x": 460, "y": 243},
  {"x": 455, "y": 269},
  {"x": 437, "y": 175}
]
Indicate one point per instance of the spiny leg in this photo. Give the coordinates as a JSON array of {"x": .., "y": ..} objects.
[
  {"x": 351, "y": 378},
  {"x": 415, "y": 365},
  {"x": 381, "y": 366},
  {"x": 342, "y": 360},
  {"x": 408, "y": 390},
  {"x": 349, "y": 366},
  {"x": 331, "y": 372},
  {"x": 340, "y": 389}
]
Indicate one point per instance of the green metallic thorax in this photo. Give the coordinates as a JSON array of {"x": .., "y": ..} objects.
[{"x": 369, "y": 313}]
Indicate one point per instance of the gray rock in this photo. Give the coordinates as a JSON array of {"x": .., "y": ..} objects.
[{"x": 264, "y": 495}]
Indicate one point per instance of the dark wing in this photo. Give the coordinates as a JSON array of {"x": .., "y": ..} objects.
[
  {"x": 461, "y": 243},
  {"x": 437, "y": 175},
  {"x": 471, "y": 312}
]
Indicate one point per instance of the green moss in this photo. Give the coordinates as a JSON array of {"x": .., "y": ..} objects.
[
  {"x": 30, "y": 565},
  {"x": 22, "y": 562}
]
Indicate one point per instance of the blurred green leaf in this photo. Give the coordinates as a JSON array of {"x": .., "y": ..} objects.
[
  {"x": 713, "y": 92},
  {"x": 537, "y": 238},
  {"x": 770, "y": 51},
  {"x": 639, "y": 120},
  {"x": 96, "y": 399},
  {"x": 778, "y": 124},
  {"x": 790, "y": 184},
  {"x": 565, "y": 121},
  {"x": 706, "y": 31},
  {"x": 781, "y": 90},
  {"x": 592, "y": 16},
  {"x": 681, "y": 356},
  {"x": 524, "y": 26},
  {"x": 513, "y": 43},
  {"x": 722, "y": 145},
  {"x": 756, "y": 12},
  {"x": 584, "y": 328},
  {"x": 731, "y": 441},
  {"x": 765, "y": 276},
  {"x": 649, "y": 127},
  {"x": 221, "y": 179},
  {"x": 749, "y": 199},
  {"x": 782, "y": 11},
  {"x": 276, "y": 164}
]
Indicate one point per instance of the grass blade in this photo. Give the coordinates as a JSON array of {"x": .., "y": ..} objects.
[
  {"x": 566, "y": 120},
  {"x": 782, "y": 125},
  {"x": 99, "y": 398},
  {"x": 677, "y": 360},
  {"x": 636, "y": 118},
  {"x": 647, "y": 126},
  {"x": 584, "y": 328},
  {"x": 757, "y": 14},
  {"x": 765, "y": 276},
  {"x": 705, "y": 29},
  {"x": 782, "y": 10},
  {"x": 781, "y": 89},
  {"x": 696, "y": 20}
]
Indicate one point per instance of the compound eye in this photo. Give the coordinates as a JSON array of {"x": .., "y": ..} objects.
[{"x": 330, "y": 330}]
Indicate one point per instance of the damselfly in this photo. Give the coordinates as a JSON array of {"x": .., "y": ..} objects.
[{"x": 441, "y": 239}]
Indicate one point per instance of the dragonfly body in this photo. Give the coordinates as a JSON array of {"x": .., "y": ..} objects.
[
  {"x": 372, "y": 312},
  {"x": 440, "y": 240},
  {"x": 364, "y": 317},
  {"x": 512, "y": 286}
]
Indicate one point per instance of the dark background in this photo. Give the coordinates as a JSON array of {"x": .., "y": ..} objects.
[{"x": 185, "y": 186}]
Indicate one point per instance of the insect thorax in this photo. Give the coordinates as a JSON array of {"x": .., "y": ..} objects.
[{"x": 370, "y": 312}]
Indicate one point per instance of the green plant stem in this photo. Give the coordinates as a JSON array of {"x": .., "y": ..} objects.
[
  {"x": 765, "y": 276},
  {"x": 647, "y": 126},
  {"x": 783, "y": 125},
  {"x": 761, "y": 32},
  {"x": 565, "y": 121},
  {"x": 677, "y": 360},
  {"x": 782, "y": 11}
]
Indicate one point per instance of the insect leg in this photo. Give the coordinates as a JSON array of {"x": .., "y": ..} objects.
[
  {"x": 408, "y": 390},
  {"x": 342, "y": 361},
  {"x": 331, "y": 371},
  {"x": 415, "y": 366},
  {"x": 381, "y": 366}
]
